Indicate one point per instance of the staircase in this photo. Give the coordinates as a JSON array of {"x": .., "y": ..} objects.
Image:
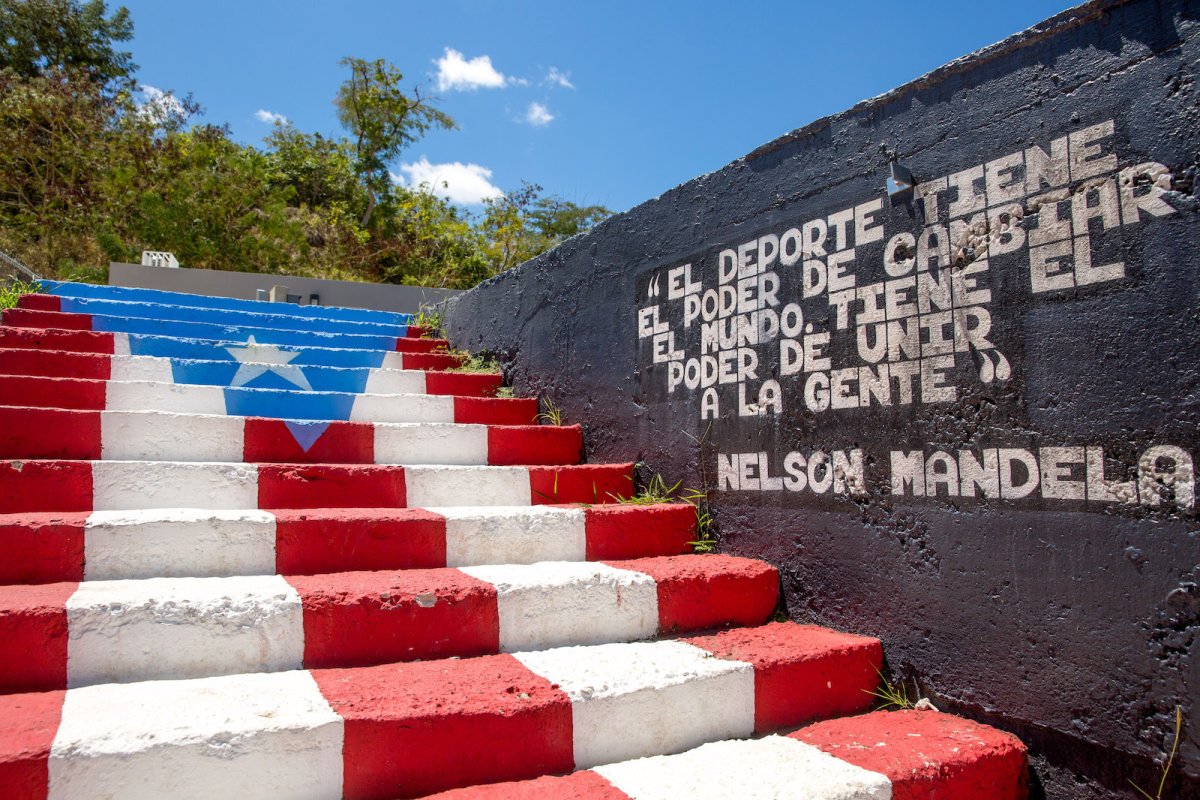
[{"x": 257, "y": 550}]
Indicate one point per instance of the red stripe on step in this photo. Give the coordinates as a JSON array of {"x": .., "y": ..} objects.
[
  {"x": 45, "y": 486},
  {"x": 49, "y": 433},
  {"x": 330, "y": 486},
  {"x": 40, "y": 339},
  {"x": 495, "y": 410},
  {"x": 413, "y": 729},
  {"x": 416, "y": 331},
  {"x": 343, "y": 540},
  {"x": 42, "y": 548},
  {"x": 430, "y": 361},
  {"x": 927, "y": 754},
  {"x": 38, "y": 392},
  {"x": 33, "y": 637},
  {"x": 55, "y": 364},
  {"x": 408, "y": 344},
  {"x": 838, "y": 671},
  {"x": 361, "y": 618},
  {"x": 30, "y": 724},
  {"x": 698, "y": 592},
  {"x": 465, "y": 384},
  {"x": 340, "y": 443},
  {"x": 585, "y": 785},
  {"x": 617, "y": 531},
  {"x": 510, "y": 445},
  {"x": 26, "y": 318},
  {"x": 583, "y": 483},
  {"x": 40, "y": 302}
]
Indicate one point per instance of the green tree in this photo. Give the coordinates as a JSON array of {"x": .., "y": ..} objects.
[
  {"x": 38, "y": 36},
  {"x": 382, "y": 120},
  {"x": 556, "y": 219}
]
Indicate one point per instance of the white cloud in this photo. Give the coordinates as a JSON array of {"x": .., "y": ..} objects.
[
  {"x": 556, "y": 78},
  {"x": 455, "y": 72},
  {"x": 538, "y": 115},
  {"x": 270, "y": 117},
  {"x": 160, "y": 106},
  {"x": 465, "y": 184}
]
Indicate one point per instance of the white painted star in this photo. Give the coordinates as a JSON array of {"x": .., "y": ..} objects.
[{"x": 258, "y": 359}]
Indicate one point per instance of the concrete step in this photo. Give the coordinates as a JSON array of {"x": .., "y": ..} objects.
[
  {"x": 247, "y": 349},
  {"x": 295, "y": 404},
  {"x": 61, "y": 635},
  {"x": 69, "y": 485},
  {"x": 218, "y": 316},
  {"x": 133, "y": 295},
  {"x": 184, "y": 542},
  {"x": 409, "y": 729},
  {"x": 898, "y": 755},
  {"x": 347, "y": 380},
  {"x": 158, "y": 436},
  {"x": 234, "y": 334}
]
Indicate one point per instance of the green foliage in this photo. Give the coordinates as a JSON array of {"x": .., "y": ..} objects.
[
  {"x": 382, "y": 121},
  {"x": 1170, "y": 762},
  {"x": 432, "y": 320},
  {"x": 890, "y": 695},
  {"x": 480, "y": 362},
  {"x": 11, "y": 291},
  {"x": 41, "y": 36},
  {"x": 506, "y": 392},
  {"x": 90, "y": 173},
  {"x": 550, "y": 414},
  {"x": 657, "y": 491}
]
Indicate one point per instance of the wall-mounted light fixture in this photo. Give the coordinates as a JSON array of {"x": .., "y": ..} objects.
[{"x": 900, "y": 184}]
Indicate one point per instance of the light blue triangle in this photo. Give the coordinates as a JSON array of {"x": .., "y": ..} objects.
[{"x": 306, "y": 433}]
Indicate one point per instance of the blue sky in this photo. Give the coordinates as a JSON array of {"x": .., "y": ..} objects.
[{"x": 612, "y": 102}]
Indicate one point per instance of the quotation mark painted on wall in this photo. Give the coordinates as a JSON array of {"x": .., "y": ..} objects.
[
  {"x": 652, "y": 290},
  {"x": 1001, "y": 370}
]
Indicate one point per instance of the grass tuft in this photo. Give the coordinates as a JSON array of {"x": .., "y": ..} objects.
[
  {"x": 657, "y": 491},
  {"x": 13, "y": 290},
  {"x": 1162, "y": 782},
  {"x": 891, "y": 695},
  {"x": 481, "y": 362},
  {"x": 433, "y": 321},
  {"x": 550, "y": 414}
]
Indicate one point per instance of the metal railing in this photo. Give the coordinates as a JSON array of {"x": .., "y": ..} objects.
[{"x": 12, "y": 267}]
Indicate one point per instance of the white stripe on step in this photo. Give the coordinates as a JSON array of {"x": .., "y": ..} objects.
[
  {"x": 159, "y": 628},
  {"x": 647, "y": 697},
  {"x": 253, "y": 737},
  {"x": 151, "y": 436},
  {"x": 124, "y": 485},
  {"x": 762, "y": 769},
  {"x": 555, "y": 604},
  {"x": 466, "y": 486},
  {"x": 178, "y": 542},
  {"x": 431, "y": 443},
  {"x": 506, "y": 535}
]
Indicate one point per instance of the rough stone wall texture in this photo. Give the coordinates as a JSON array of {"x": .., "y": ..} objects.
[{"x": 1007, "y": 499}]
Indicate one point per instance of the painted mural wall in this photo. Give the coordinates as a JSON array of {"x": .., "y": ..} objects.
[{"x": 959, "y": 411}]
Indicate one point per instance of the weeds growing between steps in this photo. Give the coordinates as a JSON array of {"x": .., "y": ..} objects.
[
  {"x": 657, "y": 491},
  {"x": 12, "y": 291}
]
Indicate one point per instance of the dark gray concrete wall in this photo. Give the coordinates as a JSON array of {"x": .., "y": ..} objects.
[
  {"x": 245, "y": 285},
  {"x": 1006, "y": 499}
]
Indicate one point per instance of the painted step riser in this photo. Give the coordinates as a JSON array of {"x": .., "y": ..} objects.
[
  {"x": 232, "y": 334},
  {"x": 224, "y": 317},
  {"x": 210, "y": 350},
  {"x": 406, "y": 730},
  {"x": 132, "y": 295},
  {"x": 32, "y": 486},
  {"x": 905, "y": 755},
  {"x": 69, "y": 635},
  {"x": 144, "y": 396},
  {"x": 152, "y": 436},
  {"x": 343, "y": 380},
  {"x": 116, "y": 545}
]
